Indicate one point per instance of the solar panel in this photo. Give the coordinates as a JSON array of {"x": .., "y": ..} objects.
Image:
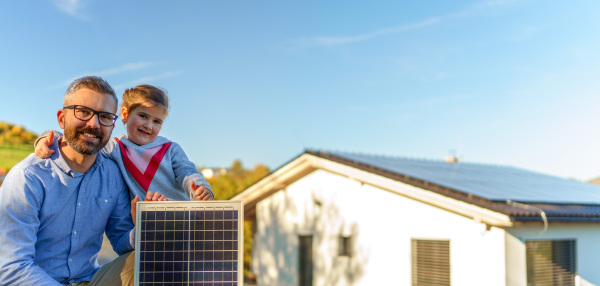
[
  {"x": 492, "y": 182},
  {"x": 189, "y": 243}
]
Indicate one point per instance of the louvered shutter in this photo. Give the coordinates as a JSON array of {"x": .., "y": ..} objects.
[
  {"x": 430, "y": 262},
  {"x": 551, "y": 262}
]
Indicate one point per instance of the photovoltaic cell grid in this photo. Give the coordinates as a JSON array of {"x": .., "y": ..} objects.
[{"x": 189, "y": 243}]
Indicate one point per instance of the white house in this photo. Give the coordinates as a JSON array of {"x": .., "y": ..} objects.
[{"x": 330, "y": 218}]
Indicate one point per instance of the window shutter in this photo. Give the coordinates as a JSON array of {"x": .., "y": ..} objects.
[
  {"x": 430, "y": 262},
  {"x": 551, "y": 262},
  {"x": 305, "y": 276}
]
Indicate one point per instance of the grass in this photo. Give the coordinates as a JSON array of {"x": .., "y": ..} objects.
[{"x": 11, "y": 154}]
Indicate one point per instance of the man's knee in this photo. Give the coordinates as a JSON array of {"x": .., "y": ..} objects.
[{"x": 120, "y": 271}]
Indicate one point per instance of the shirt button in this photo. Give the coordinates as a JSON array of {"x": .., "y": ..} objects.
[
  {"x": 74, "y": 232},
  {"x": 79, "y": 204},
  {"x": 106, "y": 201},
  {"x": 70, "y": 260}
]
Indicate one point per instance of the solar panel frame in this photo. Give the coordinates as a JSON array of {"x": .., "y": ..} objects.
[{"x": 189, "y": 243}]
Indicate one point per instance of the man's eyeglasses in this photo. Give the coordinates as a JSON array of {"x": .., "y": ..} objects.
[{"x": 86, "y": 113}]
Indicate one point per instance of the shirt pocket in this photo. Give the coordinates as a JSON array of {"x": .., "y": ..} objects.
[{"x": 102, "y": 208}]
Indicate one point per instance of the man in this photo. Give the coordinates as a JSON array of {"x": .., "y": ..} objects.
[{"x": 54, "y": 211}]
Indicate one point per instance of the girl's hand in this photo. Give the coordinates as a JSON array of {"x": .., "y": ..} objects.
[
  {"x": 42, "y": 149},
  {"x": 152, "y": 196},
  {"x": 202, "y": 194}
]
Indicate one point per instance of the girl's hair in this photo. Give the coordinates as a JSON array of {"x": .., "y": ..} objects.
[{"x": 144, "y": 94}]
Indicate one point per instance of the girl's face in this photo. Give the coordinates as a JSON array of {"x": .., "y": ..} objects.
[{"x": 143, "y": 123}]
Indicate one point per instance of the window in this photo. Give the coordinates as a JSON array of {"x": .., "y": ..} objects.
[
  {"x": 551, "y": 262},
  {"x": 306, "y": 260},
  {"x": 430, "y": 262},
  {"x": 345, "y": 246}
]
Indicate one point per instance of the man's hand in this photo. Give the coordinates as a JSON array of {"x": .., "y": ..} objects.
[
  {"x": 202, "y": 194},
  {"x": 42, "y": 149},
  {"x": 150, "y": 196}
]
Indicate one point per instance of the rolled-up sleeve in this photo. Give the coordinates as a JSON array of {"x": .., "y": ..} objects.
[{"x": 19, "y": 222}]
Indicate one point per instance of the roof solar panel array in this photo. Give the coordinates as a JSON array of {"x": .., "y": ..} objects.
[{"x": 492, "y": 182}]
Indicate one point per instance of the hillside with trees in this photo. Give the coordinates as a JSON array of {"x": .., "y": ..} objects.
[
  {"x": 15, "y": 134},
  {"x": 16, "y": 143}
]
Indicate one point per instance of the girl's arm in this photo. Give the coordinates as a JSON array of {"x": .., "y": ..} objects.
[
  {"x": 110, "y": 148},
  {"x": 42, "y": 145},
  {"x": 188, "y": 176}
]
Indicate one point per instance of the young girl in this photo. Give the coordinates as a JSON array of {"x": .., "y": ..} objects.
[{"x": 147, "y": 161}]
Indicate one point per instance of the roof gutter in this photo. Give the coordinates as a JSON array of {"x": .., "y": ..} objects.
[{"x": 307, "y": 163}]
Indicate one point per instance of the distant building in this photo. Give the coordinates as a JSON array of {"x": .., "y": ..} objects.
[
  {"x": 210, "y": 173},
  {"x": 328, "y": 218}
]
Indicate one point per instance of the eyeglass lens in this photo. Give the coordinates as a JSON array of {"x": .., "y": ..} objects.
[{"x": 85, "y": 113}]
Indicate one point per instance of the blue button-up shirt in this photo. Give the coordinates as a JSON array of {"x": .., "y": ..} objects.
[{"x": 52, "y": 220}]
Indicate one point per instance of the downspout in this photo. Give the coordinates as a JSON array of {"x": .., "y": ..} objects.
[{"x": 542, "y": 213}]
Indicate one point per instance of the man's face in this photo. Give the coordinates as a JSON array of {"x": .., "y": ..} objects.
[{"x": 87, "y": 137}]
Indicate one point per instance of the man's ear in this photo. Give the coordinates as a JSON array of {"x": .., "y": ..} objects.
[
  {"x": 60, "y": 115},
  {"x": 124, "y": 114}
]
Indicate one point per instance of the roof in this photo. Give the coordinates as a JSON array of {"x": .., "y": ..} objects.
[
  {"x": 491, "y": 182},
  {"x": 499, "y": 195}
]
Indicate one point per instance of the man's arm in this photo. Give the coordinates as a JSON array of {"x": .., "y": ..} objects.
[
  {"x": 123, "y": 244},
  {"x": 119, "y": 228},
  {"x": 20, "y": 201}
]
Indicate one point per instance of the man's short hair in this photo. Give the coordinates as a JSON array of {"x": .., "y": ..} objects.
[{"x": 94, "y": 83}]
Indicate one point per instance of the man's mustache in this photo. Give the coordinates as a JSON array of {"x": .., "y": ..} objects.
[{"x": 89, "y": 130}]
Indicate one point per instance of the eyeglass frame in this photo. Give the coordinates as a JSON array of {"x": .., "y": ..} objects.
[{"x": 94, "y": 112}]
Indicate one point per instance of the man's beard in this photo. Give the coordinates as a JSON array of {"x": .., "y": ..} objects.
[{"x": 82, "y": 146}]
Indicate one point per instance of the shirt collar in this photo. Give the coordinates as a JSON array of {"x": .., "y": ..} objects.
[{"x": 62, "y": 164}]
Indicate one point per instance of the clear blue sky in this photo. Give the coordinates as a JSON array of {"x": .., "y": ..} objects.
[{"x": 501, "y": 82}]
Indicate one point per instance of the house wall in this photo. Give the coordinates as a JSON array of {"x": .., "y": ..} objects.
[
  {"x": 516, "y": 264},
  {"x": 382, "y": 225},
  {"x": 587, "y": 247}
]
